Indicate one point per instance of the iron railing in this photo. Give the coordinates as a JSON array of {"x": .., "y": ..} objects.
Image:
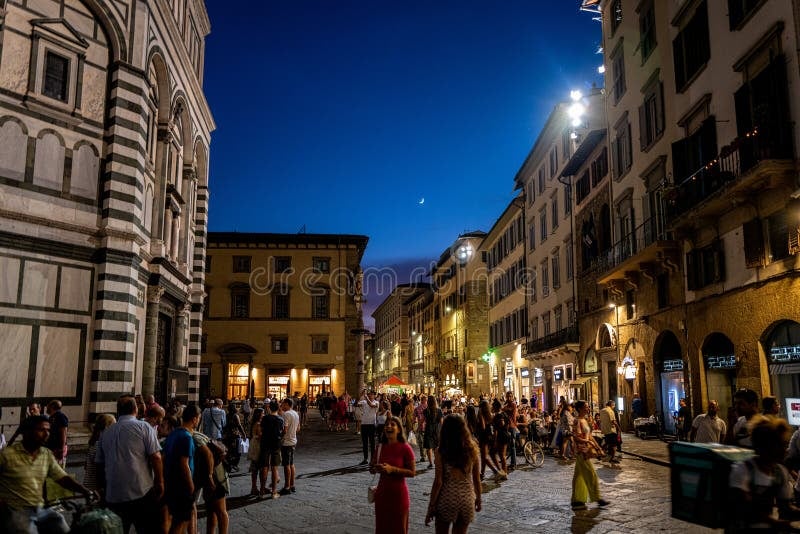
[
  {"x": 551, "y": 341},
  {"x": 733, "y": 162},
  {"x": 644, "y": 235}
]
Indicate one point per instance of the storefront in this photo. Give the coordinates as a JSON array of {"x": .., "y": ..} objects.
[
  {"x": 562, "y": 377},
  {"x": 782, "y": 347},
  {"x": 525, "y": 383},
  {"x": 537, "y": 397},
  {"x": 719, "y": 359},
  {"x": 238, "y": 381},
  {"x": 590, "y": 382},
  {"x": 278, "y": 385},
  {"x": 317, "y": 383}
]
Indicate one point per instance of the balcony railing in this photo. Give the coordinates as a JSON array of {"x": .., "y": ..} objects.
[
  {"x": 644, "y": 235},
  {"x": 733, "y": 162},
  {"x": 551, "y": 341}
]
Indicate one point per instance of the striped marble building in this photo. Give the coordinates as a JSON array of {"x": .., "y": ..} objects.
[{"x": 104, "y": 143}]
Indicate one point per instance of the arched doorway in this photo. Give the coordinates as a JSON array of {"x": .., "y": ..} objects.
[
  {"x": 719, "y": 359},
  {"x": 606, "y": 343},
  {"x": 668, "y": 361},
  {"x": 781, "y": 344},
  {"x": 629, "y": 379}
]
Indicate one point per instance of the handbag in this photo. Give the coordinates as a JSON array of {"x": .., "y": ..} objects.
[
  {"x": 244, "y": 446},
  {"x": 412, "y": 438}
]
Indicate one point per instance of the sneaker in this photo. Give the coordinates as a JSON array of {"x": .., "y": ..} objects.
[
  {"x": 275, "y": 495},
  {"x": 501, "y": 475},
  {"x": 285, "y": 491},
  {"x": 577, "y": 505},
  {"x": 358, "y": 433},
  {"x": 363, "y": 462},
  {"x": 602, "y": 502},
  {"x": 430, "y": 466},
  {"x": 292, "y": 489}
]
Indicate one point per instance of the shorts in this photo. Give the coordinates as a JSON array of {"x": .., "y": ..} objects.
[
  {"x": 287, "y": 455},
  {"x": 611, "y": 439},
  {"x": 270, "y": 458},
  {"x": 180, "y": 507}
]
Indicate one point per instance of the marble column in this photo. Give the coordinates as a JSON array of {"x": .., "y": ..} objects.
[
  {"x": 176, "y": 230},
  {"x": 154, "y": 294},
  {"x": 168, "y": 232}
]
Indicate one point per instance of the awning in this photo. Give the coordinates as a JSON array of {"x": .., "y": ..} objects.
[{"x": 579, "y": 381}]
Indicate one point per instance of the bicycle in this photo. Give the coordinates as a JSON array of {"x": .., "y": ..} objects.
[
  {"x": 78, "y": 514},
  {"x": 532, "y": 450}
]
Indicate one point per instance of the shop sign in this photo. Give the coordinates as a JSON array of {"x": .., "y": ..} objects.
[
  {"x": 723, "y": 362},
  {"x": 538, "y": 376},
  {"x": 558, "y": 374},
  {"x": 509, "y": 368},
  {"x": 278, "y": 380},
  {"x": 590, "y": 362},
  {"x": 668, "y": 366},
  {"x": 524, "y": 372},
  {"x": 630, "y": 372},
  {"x": 316, "y": 380},
  {"x": 785, "y": 354},
  {"x": 793, "y": 411}
]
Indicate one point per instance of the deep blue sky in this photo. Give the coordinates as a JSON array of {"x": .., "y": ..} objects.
[{"x": 339, "y": 116}]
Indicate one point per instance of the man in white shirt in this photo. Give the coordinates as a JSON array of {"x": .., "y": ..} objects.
[
  {"x": 291, "y": 424},
  {"x": 610, "y": 428},
  {"x": 707, "y": 427},
  {"x": 129, "y": 466},
  {"x": 369, "y": 414},
  {"x": 214, "y": 420}
]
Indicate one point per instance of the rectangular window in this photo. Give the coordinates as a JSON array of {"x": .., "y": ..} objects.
[
  {"x": 546, "y": 323},
  {"x": 616, "y": 15},
  {"x": 554, "y": 210},
  {"x": 778, "y": 232},
  {"x": 705, "y": 266},
  {"x": 557, "y": 317},
  {"x": 618, "y": 72},
  {"x": 240, "y": 304},
  {"x": 241, "y": 264},
  {"x": 647, "y": 31},
  {"x": 570, "y": 260},
  {"x": 553, "y": 162},
  {"x": 556, "y": 263},
  {"x": 534, "y": 328},
  {"x": 567, "y": 200},
  {"x": 623, "y": 150},
  {"x": 600, "y": 167},
  {"x": 282, "y": 263},
  {"x": 319, "y": 345},
  {"x": 582, "y": 187},
  {"x": 753, "y": 243},
  {"x": 570, "y": 312},
  {"x": 531, "y": 192},
  {"x": 545, "y": 279},
  {"x": 630, "y": 304},
  {"x": 208, "y": 264},
  {"x": 322, "y": 265},
  {"x": 739, "y": 11},
  {"x": 280, "y": 305},
  {"x": 542, "y": 226},
  {"x": 532, "y": 237},
  {"x": 691, "y": 49},
  {"x": 651, "y": 116},
  {"x": 541, "y": 179},
  {"x": 319, "y": 306},
  {"x": 56, "y": 76},
  {"x": 279, "y": 344},
  {"x": 691, "y": 153}
]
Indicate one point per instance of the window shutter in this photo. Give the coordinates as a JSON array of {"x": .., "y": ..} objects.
[
  {"x": 680, "y": 69},
  {"x": 680, "y": 168},
  {"x": 643, "y": 126},
  {"x": 753, "y": 243},
  {"x": 719, "y": 262},
  {"x": 659, "y": 111}
]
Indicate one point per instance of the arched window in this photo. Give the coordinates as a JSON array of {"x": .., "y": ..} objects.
[
  {"x": 85, "y": 171},
  {"x": 13, "y": 149},
  {"x": 48, "y": 162}
]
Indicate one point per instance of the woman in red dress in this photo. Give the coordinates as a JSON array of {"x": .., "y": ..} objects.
[{"x": 395, "y": 461}]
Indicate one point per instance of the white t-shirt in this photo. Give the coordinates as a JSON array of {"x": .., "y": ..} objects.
[
  {"x": 369, "y": 411},
  {"x": 290, "y": 423},
  {"x": 709, "y": 430}
]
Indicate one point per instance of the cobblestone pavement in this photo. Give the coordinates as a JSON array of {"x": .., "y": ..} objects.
[{"x": 331, "y": 495}]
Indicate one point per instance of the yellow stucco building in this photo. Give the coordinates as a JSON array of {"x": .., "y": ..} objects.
[{"x": 282, "y": 314}]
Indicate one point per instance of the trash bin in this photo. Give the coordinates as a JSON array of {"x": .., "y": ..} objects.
[{"x": 699, "y": 480}]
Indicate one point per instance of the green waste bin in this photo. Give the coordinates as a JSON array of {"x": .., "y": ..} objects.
[{"x": 699, "y": 481}]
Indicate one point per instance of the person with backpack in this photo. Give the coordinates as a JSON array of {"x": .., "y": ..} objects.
[
  {"x": 211, "y": 478},
  {"x": 214, "y": 420},
  {"x": 272, "y": 429}
]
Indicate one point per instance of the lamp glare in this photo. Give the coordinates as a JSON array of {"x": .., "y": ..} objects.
[
  {"x": 601, "y": 69},
  {"x": 575, "y": 95}
]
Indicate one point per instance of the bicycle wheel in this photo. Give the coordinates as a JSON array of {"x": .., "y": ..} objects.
[{"x": 534, "y": 454}]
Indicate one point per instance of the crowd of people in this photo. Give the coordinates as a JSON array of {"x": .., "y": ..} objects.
[{"x": 149, "y": 464}]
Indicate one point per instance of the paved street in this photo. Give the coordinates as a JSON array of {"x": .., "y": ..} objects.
[{"x": 331, "y": 495}]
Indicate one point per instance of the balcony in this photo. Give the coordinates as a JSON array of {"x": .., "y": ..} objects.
[
  {"x": 637, "y": 254},
  {"x": 564, "y": 339},
  {"x": 762, "y": 159}
]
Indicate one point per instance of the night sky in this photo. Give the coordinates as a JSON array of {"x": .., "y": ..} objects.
[{"x": 341, "y": 116}]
